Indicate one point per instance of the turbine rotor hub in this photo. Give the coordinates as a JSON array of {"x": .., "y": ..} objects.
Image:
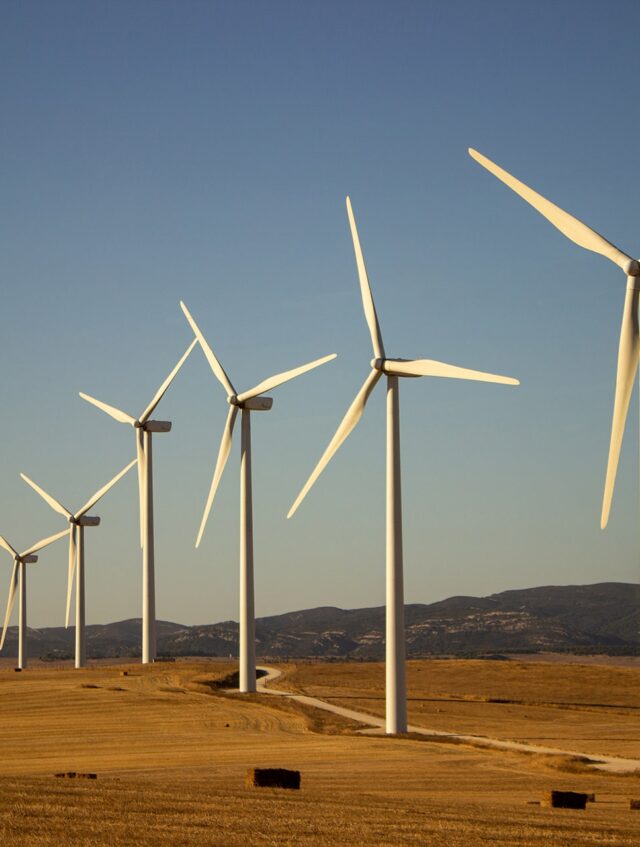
[
  {"x": 633, "y": 268},
  {"x": 232, "y": 400},
  {"x": 377, "y": 364}
]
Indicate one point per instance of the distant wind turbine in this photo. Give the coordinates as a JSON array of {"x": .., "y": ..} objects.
[
  {"x": 396, "y": 699},
  {"x": 629, "y": 345},
  {"x": 144, "y": 429},
  {"x": 247, "y": 402},
  {"x": 19, "y": 584},
  {"x": 78, "y": 521}
]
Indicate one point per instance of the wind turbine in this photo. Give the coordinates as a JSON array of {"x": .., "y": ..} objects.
[
  {"x": 247, "y": 402},
  {"x": 629, "y": 345},
  {"x": 19, "y": 583},
  {"x": 396, "y": 699},
  {"x": 144, "y": 429},
  {"x": 78, "y": 521}
]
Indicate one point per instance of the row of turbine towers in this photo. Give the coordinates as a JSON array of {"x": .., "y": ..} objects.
[{"x": 254, "y": 400}]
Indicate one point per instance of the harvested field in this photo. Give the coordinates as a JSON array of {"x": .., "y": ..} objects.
[
  {"x": 591, "y": 708},
  {"x": 171, "y": 751}
]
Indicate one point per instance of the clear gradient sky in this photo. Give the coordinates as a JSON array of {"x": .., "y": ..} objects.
[{"x": 152, "y": 151}]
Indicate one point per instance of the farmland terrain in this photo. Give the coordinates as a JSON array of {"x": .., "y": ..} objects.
[{"x": 171, "y": 745}]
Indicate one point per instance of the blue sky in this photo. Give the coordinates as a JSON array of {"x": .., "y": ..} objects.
[{"x": 152, "y": 151}]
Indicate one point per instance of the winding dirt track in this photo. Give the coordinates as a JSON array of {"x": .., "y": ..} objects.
[{"x": 611, "y": 764}]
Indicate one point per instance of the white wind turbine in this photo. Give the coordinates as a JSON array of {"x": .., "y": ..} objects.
[
  {"x": 19, "y": 584},
  {"x": 396, "y": 699},
  {"x": 247, "y": 402},
  {"x": 629, "y": 346},
  {"x": 78, "y": 521},
  {"x": 144, "y": 429}
]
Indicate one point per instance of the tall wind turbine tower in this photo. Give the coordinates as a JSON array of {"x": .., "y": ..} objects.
[
  {"x": 18, "y": 587},
  {"x": 78, "y": 520},
  {"x": 144, "y": 429},
  {"x": 629, "y": 346},
  {"x": 396, "y": 698},
  {"x": 246, "y": 402}
]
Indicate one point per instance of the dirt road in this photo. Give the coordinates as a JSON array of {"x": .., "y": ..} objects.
[{"x": 612, "y": 764}]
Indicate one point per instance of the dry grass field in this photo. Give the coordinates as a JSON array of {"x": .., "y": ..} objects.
[
  {"x": 591, "y": 708},
  {"x": 171, "y": 751}
]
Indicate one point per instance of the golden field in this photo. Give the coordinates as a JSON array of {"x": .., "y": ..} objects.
[
  {"x": 591, "y": 708},
  {"x": 171, "y": 751}
]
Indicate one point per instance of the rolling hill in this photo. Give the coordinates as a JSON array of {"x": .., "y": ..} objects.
[{"x": 600, "y": 618}]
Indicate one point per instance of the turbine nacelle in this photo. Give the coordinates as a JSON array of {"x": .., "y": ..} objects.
[
  {"x": 84, "y": 520},
  {"x": 386, "y": 366},
  {"x": 156, "y": 426},
  {"x": 252, "y": 404},
  {"x": 27, "y": 560}
]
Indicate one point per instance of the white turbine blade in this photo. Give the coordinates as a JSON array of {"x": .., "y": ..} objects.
[
  {"x": 278, "y": 379},
  {"x": 45, "y": 542},
  {"x": 4, "y": 543},
  {"x": 73, "y": 548},
  {"x": 216, "y": 367},
  {"x": 223, "y": 455},
  {"x": 365, "y": 289},
  {"x": 568, "y": 225},
  {"x": 429, "y": 367},
  {"x": 99, "y": 494},
  {"x": 119, "y": 415},
  {"x": 627, "y": 365},
  {"x": 13, "y": 585},
  {"x": 349, "y": 422},
  {"x": 57, "y": 507},
  {"x": 142, "y": 474},
  {"x": 161, "y": 391}
]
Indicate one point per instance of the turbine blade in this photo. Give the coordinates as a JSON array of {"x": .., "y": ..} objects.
[
  {"x": 568, "y": 225},
  {"x": 57, "y": 507},
  {"x": 365, "y": 289},
  {"x": 216, "y": 367},
  {"x": 161, "y": 391},
  {"x": 429, "y": 367},
  {"x": 45, "y": 542},
  {"x": 4, "y": 543},
  {"x": 627, "y": 365},
  {"x": 223, "y": 455},
  {"x": 119, "y": 415},
  {"x": 13, "y": 585},
  {"x": 99, "y": 494},
  {"x": 73, "y": 548},
  {"x": 278, "y": 379},
  {"x": 349, "y": 422},
  {"x": 142, "y": 473}
]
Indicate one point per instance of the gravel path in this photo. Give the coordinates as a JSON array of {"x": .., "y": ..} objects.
[{"x": 612, "y": 764}]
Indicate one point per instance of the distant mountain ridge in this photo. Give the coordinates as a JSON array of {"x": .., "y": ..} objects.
[{"x": 600, "y": 618}]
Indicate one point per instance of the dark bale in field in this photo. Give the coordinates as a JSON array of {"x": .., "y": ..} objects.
[
  {"x": 566, "y": 800},
  {"x": 272, "y": 778},
  {"x": 634, "y": 805}
]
